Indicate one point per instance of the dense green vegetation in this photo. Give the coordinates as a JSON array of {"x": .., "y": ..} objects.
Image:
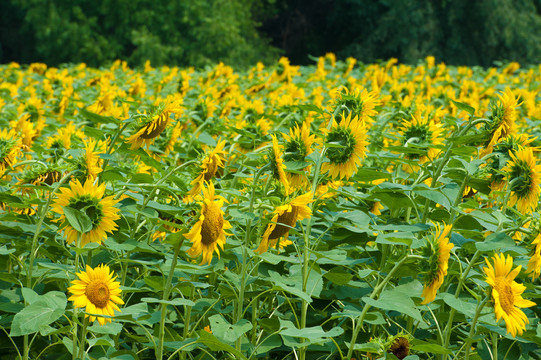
[{"x": 242, "y": 32}]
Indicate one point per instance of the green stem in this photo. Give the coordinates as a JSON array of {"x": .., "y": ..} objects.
[
  {"x": 76, "y": 310},
  {"x": 166, "y": 292},
  {"x": 449, "y": 326},
  {"x": 458, "y": 199},
  {"x": 494, "y": 346},
  {"x": 473, "y": 327},
  {"x": 375, "y": 293},
  {"x": 240, "y": 305}
]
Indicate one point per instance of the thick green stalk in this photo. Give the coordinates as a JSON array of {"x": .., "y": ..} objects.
[
  {"x": 473, "y": 327},
  {"x": 166, "y": 292},
  {"x": 76, "y": 310}
]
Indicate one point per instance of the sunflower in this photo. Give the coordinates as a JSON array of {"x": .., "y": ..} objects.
[
  {"x": 251, "y": 134},
  {"x": 89, "y": 200},
  {"x": 298, "y": 146},
  {"x": 359, "y": 103},
  {"x": 209, "y": 167},
  {"x": 277, "y": 164},
  {"x": 10, "y": 149},
  {"x": 152, "y": 124},
  {"x": 438, "y": 262},
  {"x": 534, "y": 264},
  {"x": 350, "y": 136},
  {"x": 39, "y": 175},
  {"x": 92, "y": 160},
  {"x": 503, "y": 117},
  {"x": 524, "y": 178},
  {"x": 506, "y": 293},
  {"x": 422, "y": 132},
  {"x": 209, "y": 231},
  {"x": 284, "y": 218},
  {"x": 97, "y": 290}
]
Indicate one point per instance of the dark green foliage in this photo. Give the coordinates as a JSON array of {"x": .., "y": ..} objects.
[{"x": 165, "y": 32}]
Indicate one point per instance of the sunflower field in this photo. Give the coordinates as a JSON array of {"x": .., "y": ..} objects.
[{"x": 334, "y": 211}]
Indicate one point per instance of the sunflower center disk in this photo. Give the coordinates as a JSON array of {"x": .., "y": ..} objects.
[
  {"x": 155, "y": 127},
  {"x": 212, "y": 167},
  {"x": 97, "y": 293},
  {"x": 285, "y": 222},
  {"x": 212, "y": 225},
  {"x": 346, "y": 141},
  {"x": 507, "y": 298}
]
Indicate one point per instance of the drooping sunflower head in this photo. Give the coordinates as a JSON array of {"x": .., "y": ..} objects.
[
  {"x": 10, "y": 149},
  {"x": 501, "y": 157},
  {"x": 424, "y": 134},
  {"x": 503, "y": 116},
  {"x": 98, "y": 292},
  {"x": 209, "y": 166},
  {"x": 208, "y": 233},
  {"x": 399, "y": 345},
  {"x": 507, "y": 294},
  {"x": 439, "y": 249},
  {"x": 39, "y": 175},
  {"x": 359, "y": 103},
  {"x": 98, "y": 212},
  {"x": 524, "y": 178},
  {"x": 90, "y": 163},
  {"x": 152, "y": 124},
  {"x": 297, "y": 147},
  {"x": 284, "y": 219},
  {"x": 346, "y": 142},
  {"x": 277, "y": 164}
]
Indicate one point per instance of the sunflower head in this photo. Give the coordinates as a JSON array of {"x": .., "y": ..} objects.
[
  {"x": 503, "y": 116},
  {"x": 152, "y": 124},
  {"x": 346, "y": 142},
  {"x": 284, "y": 219},
  {"x": 439, "y": 250},
  {"x": 399, "y": 345},
  {"x": 10, "y": 149},
  {"x": 507, "y": 294},
  {"x": 277, "y": 164},
  {"x": 98, "y": 292},
  {"x": 252, "y": 133},
  {"x": 524, "y": 178},
  {"x": 424, "y": 134},
  {"x": 209, "y": 166},
  {"x": 40, "y": 175},
  {"x": 209, "y": 231},
  {"x": 360, "y": 104},
  {"x": 98, "y": 212},
  {"x": 297, "y": 147}
]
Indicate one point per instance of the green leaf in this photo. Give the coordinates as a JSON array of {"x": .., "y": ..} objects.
[
  {"x": 112, "y": 328},
  {"x": 216, "y": 345},
  {"x": 427, "y": 347},
  {"x": 310, "y": 107},
  {"x": 467, "y": 308},
  {"x": 101, "y": 341},
  {"x": 99, "y": 119},
  {"x": 77, "y": 219},
  {"x": 338, "y": 276},
  {"x": 39, "y": 314},
  {"x": 226, "y": 332},
  {"x": 467, "y": 108},
  {"x": 369, "y": 347},
  {"x": 29, "y": 295},
  {"x": 495, "y": 242},
  {"x": 367, "y": 175},
  {"x": 395, "y": 301}
]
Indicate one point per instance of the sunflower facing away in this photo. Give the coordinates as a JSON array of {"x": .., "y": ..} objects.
[
  {"x": 438, "y": 262},
  {"x": 534, "y": 264},
  {"x": 350, "y": 136},
  {"x": 10, "y": 149},
  {"x": 503, "y": 117},
  {"x": 298, "y": 146},
  {"x": 152, "y": 125},
  {"x": 277, "y": 164},
  {"x": 89, "y": 200},
  {"x": 284, "y": 218},
  {"x": 506, "y": 293},
  {"x": 524, "y": 179},
  {"x": 214, "y": 160},
  {"x": 422, "y": 131},
  {"x": 97, "y": 290},
  {"x": 209, "y": 231},
  {"x": 359, "y": 103}
]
